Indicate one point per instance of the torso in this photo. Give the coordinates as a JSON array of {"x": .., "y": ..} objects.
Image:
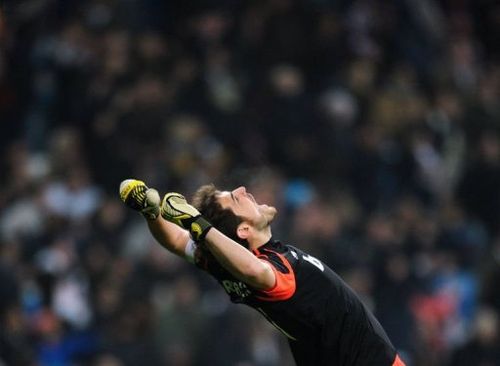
[{"x": 312, "y": 306}]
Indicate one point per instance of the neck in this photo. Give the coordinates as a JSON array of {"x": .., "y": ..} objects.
[{"x": 259, "y": 238}]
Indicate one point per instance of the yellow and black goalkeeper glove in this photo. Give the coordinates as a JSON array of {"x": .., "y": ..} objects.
[
  {"x": 175, "y": 209},
  {"x": 136, "y": 195}
]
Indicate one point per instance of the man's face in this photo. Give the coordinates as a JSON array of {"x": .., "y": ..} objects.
[{"x": 243, "y": 204}]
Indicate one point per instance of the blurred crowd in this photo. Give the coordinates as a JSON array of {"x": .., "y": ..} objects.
[{"x": 372, "y": 125}]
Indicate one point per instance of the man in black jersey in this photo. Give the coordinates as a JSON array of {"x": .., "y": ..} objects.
[{"x": 228, "y": 234}]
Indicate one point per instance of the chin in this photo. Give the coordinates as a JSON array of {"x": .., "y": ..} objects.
[{"x": 269, "y": 213}]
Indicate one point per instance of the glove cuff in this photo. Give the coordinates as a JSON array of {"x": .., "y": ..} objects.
[{"x": 199, "y": 228}]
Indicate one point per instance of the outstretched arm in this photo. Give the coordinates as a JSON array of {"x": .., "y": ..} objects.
[
  {"x": 186, "y": 220},
  {"x": 170, "y": 236},
  {"x": 136, "y": 195},
  {"x": 239, "y": 261}
]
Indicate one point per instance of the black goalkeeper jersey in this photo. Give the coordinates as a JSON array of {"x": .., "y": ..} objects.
[{"x": 324, "y": 320}]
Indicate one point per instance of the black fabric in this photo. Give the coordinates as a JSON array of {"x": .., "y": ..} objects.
[{"x": 324, "y": 320}]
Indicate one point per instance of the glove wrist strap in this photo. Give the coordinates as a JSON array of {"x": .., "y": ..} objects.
[{"x": 199, "y": 228}]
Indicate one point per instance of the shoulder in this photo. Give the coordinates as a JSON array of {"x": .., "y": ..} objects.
[
  {"x": 277, "y": 256},
  {"x": 281, "y": 256},
  {"x": 277, "y": 252}
]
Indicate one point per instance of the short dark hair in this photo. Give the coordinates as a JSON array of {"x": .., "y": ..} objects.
[{"x": 224, "y": 219}]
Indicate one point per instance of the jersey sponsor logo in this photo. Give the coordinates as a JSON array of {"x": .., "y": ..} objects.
[{"x": 236, "y": 288}]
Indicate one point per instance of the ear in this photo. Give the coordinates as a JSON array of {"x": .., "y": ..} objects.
[{"x": 243, "y": 230}]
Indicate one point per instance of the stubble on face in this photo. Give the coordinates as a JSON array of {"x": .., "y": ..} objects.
[{"x": 268, "y": 214}]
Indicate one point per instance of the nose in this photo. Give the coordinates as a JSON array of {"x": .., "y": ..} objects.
[{"x": 240, "y": 190}]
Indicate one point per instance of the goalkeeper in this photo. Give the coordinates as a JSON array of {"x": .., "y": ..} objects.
[{"x": 228, "y": 234}]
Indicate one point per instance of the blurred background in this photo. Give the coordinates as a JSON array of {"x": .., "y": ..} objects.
[{"x": 372, "y": 125}]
